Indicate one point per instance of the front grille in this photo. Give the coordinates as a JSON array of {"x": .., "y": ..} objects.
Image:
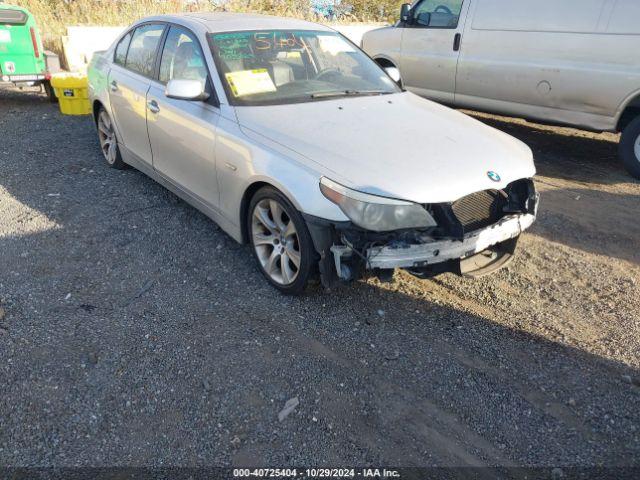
[{"x": 479, "y": 210}]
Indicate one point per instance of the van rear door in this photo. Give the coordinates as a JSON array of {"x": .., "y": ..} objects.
[
  {"x": 20, "y": 47},
  {"x": 431, "y": 41}
]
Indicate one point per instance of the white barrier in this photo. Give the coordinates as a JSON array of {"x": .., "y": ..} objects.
[
  {"x": 354, "y": 32},
  {"x": 82, "y": 42}
]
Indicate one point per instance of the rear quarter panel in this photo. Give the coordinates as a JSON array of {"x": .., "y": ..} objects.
[{"x": 98, "y": 75}]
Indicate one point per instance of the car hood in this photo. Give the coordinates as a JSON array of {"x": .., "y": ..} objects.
[{"x": 399, "y": 145}]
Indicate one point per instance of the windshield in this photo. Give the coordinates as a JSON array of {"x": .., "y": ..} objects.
[{"x": 270, "y": 67}]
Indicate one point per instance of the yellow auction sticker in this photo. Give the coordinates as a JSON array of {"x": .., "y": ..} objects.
[{"x": 249, "y": 82}]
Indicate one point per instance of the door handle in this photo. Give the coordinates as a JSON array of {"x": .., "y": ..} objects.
[
  {"x": 456, "y": 42},
  {"x": 114, "y": 86},
  {"x": 153, "y": 106}
]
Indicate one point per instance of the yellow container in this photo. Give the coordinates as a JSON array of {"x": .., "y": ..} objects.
[{"x": 72, "y": 90}]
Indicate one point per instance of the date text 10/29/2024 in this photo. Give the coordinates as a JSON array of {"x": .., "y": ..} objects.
[{"x": 315, "y": 473}]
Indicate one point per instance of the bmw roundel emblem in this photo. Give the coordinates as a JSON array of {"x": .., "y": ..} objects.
[{"x": 493, "y": 176}]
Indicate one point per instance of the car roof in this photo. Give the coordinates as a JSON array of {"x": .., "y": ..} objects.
[{"x": 229, "y": 22}]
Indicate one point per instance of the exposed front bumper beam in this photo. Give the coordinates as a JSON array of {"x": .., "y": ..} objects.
[{"x": 415, "y": 256}]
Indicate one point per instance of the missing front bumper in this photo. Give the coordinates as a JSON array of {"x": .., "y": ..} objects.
[
  {"x": 348, "y": 252},
  {"x": 479, "y": 253},
  {"x": 415, "y": 256}
]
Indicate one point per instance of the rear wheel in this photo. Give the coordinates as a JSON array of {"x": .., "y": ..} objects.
[
  {"x": 280, "y": 241},
  {"x": 630, "y": 148},
  {"x": 108, "y": 141},
  {"x": 51, "y": 94}
]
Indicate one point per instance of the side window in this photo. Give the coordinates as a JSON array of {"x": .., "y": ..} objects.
[
  {"x": 121, "y": 50},
  {"x": 437, "y": 13},
  {"x": 182, "y": 58},
  {"x": 142, "y": 51}
]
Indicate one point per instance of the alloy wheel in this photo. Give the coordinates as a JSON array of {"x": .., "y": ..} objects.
[
  {"x": 108, "y": 142},
  {"x": 276, "y": 241},
  {"x": 636, "y": 148}
]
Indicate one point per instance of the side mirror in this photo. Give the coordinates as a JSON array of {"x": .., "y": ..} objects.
[
  {"x": 404, "y": 12},
  {"x": 424, "y": 19},
  {"x": 394, "y": 73},
  {"x": 186, "y": 90}
]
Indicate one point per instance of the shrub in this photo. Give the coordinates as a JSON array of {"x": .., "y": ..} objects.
[{"x": 53, "y": 16}]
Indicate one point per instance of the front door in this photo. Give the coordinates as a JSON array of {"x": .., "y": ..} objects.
[
  {"x": 183, "y": 132},
  {"x": 129, "y": 81},
  {"x": 431, "y": 42}
]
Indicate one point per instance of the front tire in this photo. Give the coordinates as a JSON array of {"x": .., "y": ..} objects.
[
  {"x": 109, "y": 141},
  {"x": 280, "y": 241},
  {"x": 630, "y": 148}
]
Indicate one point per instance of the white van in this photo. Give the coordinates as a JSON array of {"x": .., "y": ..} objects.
[{"x": 569, "y": 62}]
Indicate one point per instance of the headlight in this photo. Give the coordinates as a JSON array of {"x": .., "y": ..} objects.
[{"x": 371, "y": 212}]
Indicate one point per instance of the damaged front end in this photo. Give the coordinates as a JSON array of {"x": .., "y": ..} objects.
[{"x": 475, "y": 235}]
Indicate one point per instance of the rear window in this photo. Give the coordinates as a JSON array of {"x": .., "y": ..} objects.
[
  {"x": 12, "y": 17},
  {"x": 141, "y": 56},
  {"x": 121, "y": 50}
]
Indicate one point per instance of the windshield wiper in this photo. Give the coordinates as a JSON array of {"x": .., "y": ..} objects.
[{"x": 348, "y": 93}]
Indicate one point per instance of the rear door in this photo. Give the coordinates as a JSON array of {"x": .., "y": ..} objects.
[
  {"x": 129, "y": 80},
  {"x": 182, "y": 132},
  {"x": 430, "y": 46},
  {"x": 20, "y": 46}
]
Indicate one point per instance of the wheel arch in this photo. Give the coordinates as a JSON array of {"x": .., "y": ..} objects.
[
  {"x": 629, "y": 112},
  {"x": 244, "y": 206},
  {"x": 248, "y": 194},
  {"x": 97, "y": 105},
  {"x": 385, "y": 61},
  {"x": 294, "y": 192}
]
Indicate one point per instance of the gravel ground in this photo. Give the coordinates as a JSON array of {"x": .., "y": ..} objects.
[{"x": 134, "y": 332}]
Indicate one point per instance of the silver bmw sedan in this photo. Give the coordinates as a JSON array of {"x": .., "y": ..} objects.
[{"x": 290, "y": 138}]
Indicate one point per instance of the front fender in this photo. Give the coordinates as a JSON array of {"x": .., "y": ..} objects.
[
  {"x": 384, "y": 43},
  {"x": 244, "y": 159}
]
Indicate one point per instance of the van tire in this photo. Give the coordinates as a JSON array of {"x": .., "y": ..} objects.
[
  {"x": 629, "y": 148},
  {"x": 383, "y": 63},
  {"x": 51, "y": 94}
]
